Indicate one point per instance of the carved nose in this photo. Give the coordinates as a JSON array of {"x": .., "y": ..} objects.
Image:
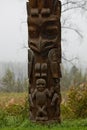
[
  {"x": 40, "y": 39},
  {"x": 41, "y": 85}
]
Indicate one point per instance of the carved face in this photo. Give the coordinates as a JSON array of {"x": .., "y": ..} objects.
[
  {"x": 41, "y": 85},
  {"x": 54, "y": 5},
  {"x": 44, "y": 31}
]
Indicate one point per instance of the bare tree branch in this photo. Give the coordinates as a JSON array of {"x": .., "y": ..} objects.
[
  {"x": 74, "y": 5},
  {"x": 73, "y": 29},
  {"x": 78, "y": 7},
  {"x": 70, "y": 60}
]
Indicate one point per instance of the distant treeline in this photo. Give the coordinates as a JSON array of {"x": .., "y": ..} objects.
[
  {"x": 9, "y": 83},
  {"x": 73, "y": 77},
  {"x": 19, "y": 69},
  {"x": 14, "y": 77}
]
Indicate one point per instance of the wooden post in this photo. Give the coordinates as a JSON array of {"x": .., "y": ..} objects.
[{"x": 44, "y": 58}]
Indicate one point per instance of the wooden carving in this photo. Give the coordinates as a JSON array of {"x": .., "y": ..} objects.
[{"x": 44, "y": 58}]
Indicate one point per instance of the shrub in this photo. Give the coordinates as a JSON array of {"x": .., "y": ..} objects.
[
  {"x": 65, "y": 112},
  {"x": 14, "y": 108},
  {"x": 77, "y": 101},
  {"x": 3, "y": 119}
]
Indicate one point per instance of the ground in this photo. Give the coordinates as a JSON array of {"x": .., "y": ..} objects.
[
  {"x": 80, "y": 124},
  {"x": 13, "y": 118}
]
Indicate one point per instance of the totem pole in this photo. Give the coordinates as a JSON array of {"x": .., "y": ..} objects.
[{"x": 44, "y": 58}]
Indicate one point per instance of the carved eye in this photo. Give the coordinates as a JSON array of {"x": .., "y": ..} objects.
[
  {"x": 50, "y": 33},
  {"x": 33, "y": 33}
]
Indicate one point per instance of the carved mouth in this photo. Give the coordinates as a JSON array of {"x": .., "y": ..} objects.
[{"x": 43, "y": 46}]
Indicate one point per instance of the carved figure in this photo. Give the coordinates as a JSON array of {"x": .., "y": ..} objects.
[
  {"x": 56, "y": 100},
  {"x": 40, "y": 95},
  {"x": 44, "y": 56},
  {"x": 54, "y": 63}
]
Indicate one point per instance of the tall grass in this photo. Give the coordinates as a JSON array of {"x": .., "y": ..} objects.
[
  {"x": 15, "y": 124},
  {"x": 14, "y": 115}
]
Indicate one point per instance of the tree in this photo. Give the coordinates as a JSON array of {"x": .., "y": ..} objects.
[
  {"x": 10, "y": 84},
  {"x": 70, "y": 5},
  {"x": 21, "y": 85},
  {"x": 69, "y": 8},
  {"x": 65, "y": 81},
  {"x": 8, "y": 81},
  {"x": 25, "y": 84}
]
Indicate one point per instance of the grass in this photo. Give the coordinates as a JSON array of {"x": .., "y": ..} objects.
[
  {"x": 18, "y": 98},
  {"x": 20, "y": 122},
  {"x": 15, "y": 124}
]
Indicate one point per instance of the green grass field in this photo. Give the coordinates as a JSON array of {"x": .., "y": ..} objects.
[
  {"x": 12, "y": 118},
  {"x": 80, "y": 124}
]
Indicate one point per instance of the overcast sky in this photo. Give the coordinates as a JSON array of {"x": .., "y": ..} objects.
[
  {"x": 13, "y": 30},
  {"x": 13, "y": 34}
]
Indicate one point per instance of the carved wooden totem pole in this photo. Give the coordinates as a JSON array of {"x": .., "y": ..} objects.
[{"x": 44, "y": 58}]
